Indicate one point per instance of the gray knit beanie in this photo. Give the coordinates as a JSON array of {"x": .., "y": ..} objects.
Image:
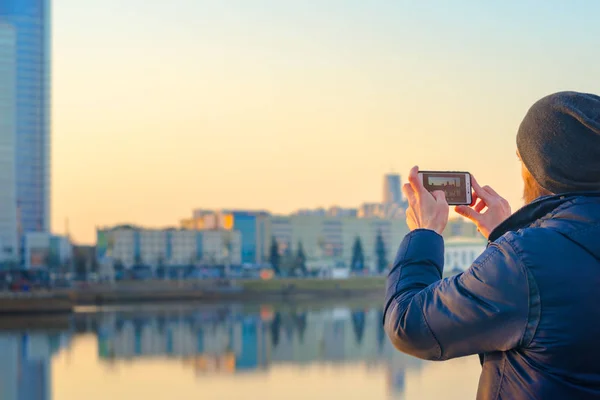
[{"x": 559, "y": 142}]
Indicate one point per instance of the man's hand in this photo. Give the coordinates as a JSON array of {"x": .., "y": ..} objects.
[
  {"x": 426, "y": 210},
  {"x": 497, "y": 210}
]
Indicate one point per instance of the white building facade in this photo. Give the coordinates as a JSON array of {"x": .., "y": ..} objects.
[
  {"x": 460, "y": 252},
  {"x": 130, "y": 245},
  {"x": 330, "y": 240},
  {"x": 46, "y": 250}
]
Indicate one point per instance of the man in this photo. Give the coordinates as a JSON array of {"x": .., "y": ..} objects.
[{"x": 530, "y": 304}]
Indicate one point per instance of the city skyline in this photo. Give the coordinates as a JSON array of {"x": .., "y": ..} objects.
[{"x": 291, "y": 105}]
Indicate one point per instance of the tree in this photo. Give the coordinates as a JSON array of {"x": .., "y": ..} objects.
[
  {"x": 301, "y": 260},
  {"x": 380, "y": 253},
  {"x": 274, "y": 258},
  {"x": 118, "y": 266},
  {"x": 358, "y": 258},
  {"x": 161, "y": 270},
  {"x": 275, "y": 329},
  {"x": 287, "y": 262},
  {"x": 300, "y": 319},
  {"x": 358, "y": 322}
]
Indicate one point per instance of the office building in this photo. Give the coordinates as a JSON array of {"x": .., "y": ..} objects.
[
  {"x": 461, "y": 227},
  {"x": 252, "y": 226},
  {"x": 327, "y": 240},
  {"x": 391, "y": 189},
  {"x": 381, "y": 211},
  {"x": 460, "y": 252},
  {"x": 43, "y": 249},
  {"x": 25, "y": 113},
  {"x": 130, "y": 245},
  {"x": 333, "y": 211},
  {"x": 8, "y": 195}
]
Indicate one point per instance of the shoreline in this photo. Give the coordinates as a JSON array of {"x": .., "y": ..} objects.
[{"x": 64, "y": 301}]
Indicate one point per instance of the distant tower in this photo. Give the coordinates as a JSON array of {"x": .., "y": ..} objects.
[{"x": 391, "y": 189}]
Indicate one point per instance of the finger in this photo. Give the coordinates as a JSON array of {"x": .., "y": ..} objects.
[
  {"x": 499, "y": 198},
  {"x": 440, "y": 197},
  {"x": 468, "y": 212},
  {"x": 480, "y": 206},
  {"x": 490, "y": 191},
  {"x": 411, "y": 220},
  {"x": 415, "y": 182},
  {"x": 474, "y": 199},
  {"x": 479, "y": 191},
  {"x": 410, "y": 213},
  {"x": 409, "y": 193}
]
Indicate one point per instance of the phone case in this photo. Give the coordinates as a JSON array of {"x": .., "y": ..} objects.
[{"x": 468, "y": 189}]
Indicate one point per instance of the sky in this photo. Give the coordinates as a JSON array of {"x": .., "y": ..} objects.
[{"x": 160, "y": 107}]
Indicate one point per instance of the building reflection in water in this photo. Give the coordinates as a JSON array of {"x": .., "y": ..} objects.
[
  {"x": 25, "y": 360},
  {"x": 222, "y": 340},
  {"x": 227, "y": 340}
]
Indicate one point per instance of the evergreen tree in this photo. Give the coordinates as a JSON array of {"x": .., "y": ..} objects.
[
  {"x": 118, "y": 266},
  {"x": 358, "y": 258},
  {"x": 275, "y": 329},
  {"x": 274, "y": 258},
  {"x": 358, "y": 322},
  {"x": 380, "y": 253},
  {"x": 300, "y": 318},
  {"x": 301, "y": 260}
]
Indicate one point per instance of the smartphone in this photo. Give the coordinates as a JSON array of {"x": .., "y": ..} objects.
[{"x": 456, "y": 185}]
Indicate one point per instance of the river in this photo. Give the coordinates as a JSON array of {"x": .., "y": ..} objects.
[{"x": 222, "y": 352}]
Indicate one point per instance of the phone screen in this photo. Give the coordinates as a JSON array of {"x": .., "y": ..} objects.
[{"x": 456, "y": 185}]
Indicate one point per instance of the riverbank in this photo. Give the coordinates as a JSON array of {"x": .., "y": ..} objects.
[
  {"x": 246, "y": 291},
  {"x": 232, "y": 291}
]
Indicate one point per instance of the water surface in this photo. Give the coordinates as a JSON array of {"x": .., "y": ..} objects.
[{"x": 223, "y": 352}]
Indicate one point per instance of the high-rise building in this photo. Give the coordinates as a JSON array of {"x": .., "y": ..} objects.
[
  {"x": 25, "y": 74},
  {"x": 8, "y": 196},
  {"x": 391, "y": 189}
]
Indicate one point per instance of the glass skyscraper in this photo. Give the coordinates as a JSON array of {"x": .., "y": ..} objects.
[{"x": 25, "y": 115}]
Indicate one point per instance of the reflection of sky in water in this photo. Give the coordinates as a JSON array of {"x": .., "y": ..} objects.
[{"x": 225, "y": 353}]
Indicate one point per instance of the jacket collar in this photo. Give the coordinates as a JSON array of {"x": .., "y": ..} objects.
[{"x": 534, "y": 211}]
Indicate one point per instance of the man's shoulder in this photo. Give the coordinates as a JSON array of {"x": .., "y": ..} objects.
[
  {"x": 499, "y": 268},
  {"x": 501, "y": 257},
  {"x": 537, "y": 247},
  {"x": 528, "y": 238}
]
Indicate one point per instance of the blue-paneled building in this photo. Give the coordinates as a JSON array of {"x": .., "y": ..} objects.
[
  {"x": 26, "y": 61},
  {"x": 252, "y": 226}
]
